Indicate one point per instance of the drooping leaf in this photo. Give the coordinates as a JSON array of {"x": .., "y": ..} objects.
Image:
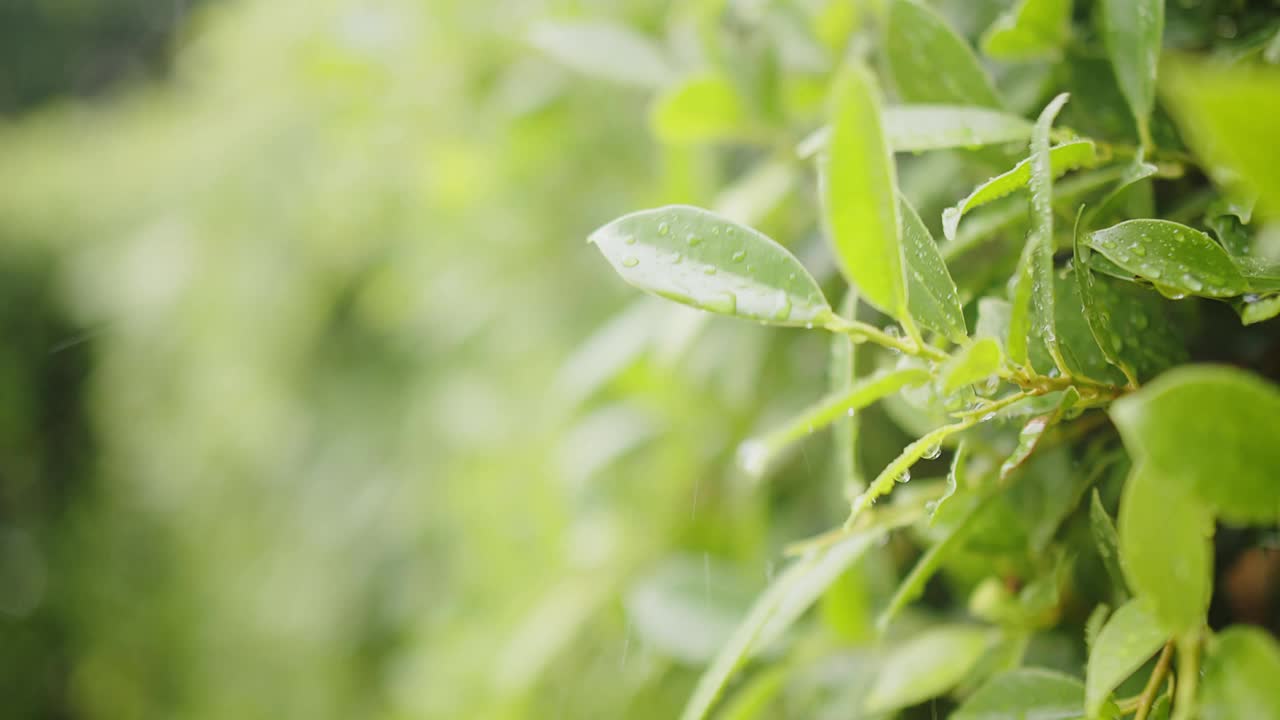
[
  {"x": 930, "y": 62},
  {"x": 1025, "y": 694},
  {"x": 1062, "y": 158},
  {"x": 1180, "y": 259},
  {"x": 697, "y": 258},
  {"x": 859, "y": 196},
  {"x": 1133, "y": 32},
  {"x": 603, "y": 50},
  {"x": 926, "y": 666},
  {"x": 931, "y": 293},
  {"x": 918, "y": 128},
  {"x": 1164, "y": 547},
  {"x": 1128, "y": 640},
  {"x": 974, "y": 363},
  {"x": 1107, "y": 542},
  {"x": 1240, "y": 672},
  {"x": 699, "y": 109},
  {"x": 1209, "y": 432},
  {"x": 1030, "y": 30}
]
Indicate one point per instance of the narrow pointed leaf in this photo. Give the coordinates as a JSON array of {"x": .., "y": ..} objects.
[
  {"x": 926, "y": 666},
  {"x": 603, "y": 50},
  {"x": 1130, "y": 637},
  {"x": 1062, "y": 158},
  {"x": 697, "y": 258},
  {"x": 917, "y": 128},
  {"x": 1107, "y": 542},
  {"x": 1173, "y": 256},
  {"x": 1133, "y": 32},
  {"x": 859, "y": 196},
  {"x": 1030, "y": 30},
  {"x": 1240, "y": 672},
  {"x": 931, "y": 293},
  {"x": 930, "y": 62}
]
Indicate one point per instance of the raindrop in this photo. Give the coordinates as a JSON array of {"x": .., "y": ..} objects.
[
  {"x": 740, "y": 255},
  {"x": 905, "y": 476},
  {"x": 630, "y": 262},
  {"x": 1140, "y": 321},
  {"x": 663, "y": 229},
  {"x": 676, "y": 258},
  {"x": 988, "y": 417},
  {"x": 1109, "y": 244},
  {"x": 753, "y": 457},
  {"x": 849, "y": 412},
  {"x": 709, "y": 270},
  {"x": 1140, "y": 251},
  {"x": 808, "y": 326},
  {"x": 1151, "y": 271},
  {"x": 629, "y": 240},
  {"x": 932, "y": 452},
  {"x": 1192, "y": 282},
  {"x": 694, "y": 240}
]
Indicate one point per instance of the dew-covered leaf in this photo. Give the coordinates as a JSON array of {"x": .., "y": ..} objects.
[
  {"x": 917, "y": 128},
  {"x": 1107, "y": 542},
  {"x": 1133, "y": 33},
  {"x": 1164, "y": 548},
  {"x": 931, "y": 293},
  {"x": 699, "y": 109},
  {"x": 1254, "y": 309},
  {"x": 1240, "y": 672},
  {"x": 697, "y": 258},
  {"x": 930, "y": 62},
  {"x": 604, "y": 50},
  {"x": 1211, "y": 432},
  {"x": 1261, "y": 276},
  {"x": 926, "y": 666},
  {"x": 1030, "y": 30},
  {"x": 974, "y": 363},
  {"x": 1179, "y": 259},
  {"x": 1062, "y": 158},
  {"x": 860, "y": 198},
  {"x": 1075, "y": 339},
  {"x": 1130, "y": 637},
  {"x": 1025, "y": 694}
]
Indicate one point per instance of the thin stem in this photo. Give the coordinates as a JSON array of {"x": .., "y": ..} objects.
[
  {"x": 1148, "y": 697},
  {"x": 1188, "y": 674},
  {"x": 996, "y": 405},
  {"x": 861, "y": 331}
]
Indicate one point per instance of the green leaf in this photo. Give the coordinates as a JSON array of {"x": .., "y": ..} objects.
[
  {"x": 843, "y": 369},
  {"x": 1256, "y": 309},
  {"x": 917, "y": 128},
  {"x": 930, "y": 62},
  {"x": 974, "y": 363},
  {"x": 1076, "y": 340},
  {"x": 1210, "y": 432},
  {"x": 931, "y": 293},
  {"x": 926, "y": 666},
  {"x": 1179, "y": 259},
  {"x": 1026, "y": 694},
  {"x": 1128, "y": 640},
  {"x": 1062, "y": 158},
  {"x": 699, "y": 109},
  {"x": 1165, "y": 549},
  {"x": 1228, "y": 115},
  {"x": 859, "y": 196},
  {"x": 604, "y": 50},
  {"x": 1262, "y": 276},
  {"x": 785, "y": 600},
  {"x": 757, "y": 455},
  {"x": 1133, "y": 33},
  {"x": 1240, "y": 673},
  {"x": 1108, "y": 544},
  {"x": 1030, "y": 30},
  {"x": 697, "y": 258},
  {"x": 686, "y": 608}
]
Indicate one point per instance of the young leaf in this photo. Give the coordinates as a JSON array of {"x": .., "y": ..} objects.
[
  {"x": 1210, "y": 432},
  {"x": 697, "y": 258},
  {"x": 1030, "y": 30},
  {"x": 859, "y": 196},
  {"x": 930, "y": 63},
  {"x": 1175, "y": 257},
  {"x": 974, "y": 363},
  {"x": 699, "y": 109},
  {"x": 1025, "y": 694},
  {"x": 757, "y": 455},
  {"x": 1133, "y": 32},
  {"x": 1128, "y": 640},
  {"x": 931, "y": 293},
  {"x": 603, "y": 50},
  {"x": 785, "y": 600},
  {"x": 917, "y": 128},
  {"x": 1240, "y": 674},
  {"x": 926, "y": 666},
  {"x": 1062, "y": 158},
  {"x": 1108, "y": 544},
  {"x": 1164, "y": 548}
]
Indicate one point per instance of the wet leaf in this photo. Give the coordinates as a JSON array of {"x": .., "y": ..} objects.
[
  {"x": 974, "y": 363},
  {"x": 931, "y": 293},
  {"x": 1133, "y": 33},
  {"x": 1107, "y": 543},
  {"x": 1030, "y": 30},
  {"x": 926, "y": 666},
  {"x": 1256, "y": 309},
  {"x": 1240, "y": 672},
  {"x": 1025, "y": 694},
  {"x": 1130, "y": 637},
  {"x": 1180, "y": 259},
  {"x": 930, "y": 62},
  {"x": 917, "y": 128}
]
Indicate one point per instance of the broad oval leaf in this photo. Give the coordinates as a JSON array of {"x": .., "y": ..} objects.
[
  {"x": 1031, "y": 30},
  {"x": 604, "y": 50},
  {"x": 1164, "y": 547},
  {"x": 1133, "y": 32},
  {"x": 932, "y": 298},
  {"x": 698, "y": 258},
  {"x": 930, "y": 62},
  {"x": 917, "y": 128},
  {"x": 859, "y": 196},
  {"x": 1062, "y": 158},
  {"x": 699, "y": 109},
  {"x": 1130, "y": 637},
  {"x": 1179, "y": 259},
  {"x": 926, "y": 666},
  {"x": 1240, "y": 674},
  {"x": 1210, "y": 432},
  {"x": 1025, "y": 694}
]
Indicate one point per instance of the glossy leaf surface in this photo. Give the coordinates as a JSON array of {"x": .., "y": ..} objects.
[
  {"x": 1128, "y": 639},
  {"x": 932, "y": 298},
  {"x": 930, "y": 62},
  {"x": 1030, "y": 30},
  {"x": 917, "y": 128},
  {"x": 1133, "y": 32},
  {"x": 1172, "y": 256}
]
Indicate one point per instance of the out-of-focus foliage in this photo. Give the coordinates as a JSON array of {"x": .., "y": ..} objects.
[{"x": 314, "y": 403}]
